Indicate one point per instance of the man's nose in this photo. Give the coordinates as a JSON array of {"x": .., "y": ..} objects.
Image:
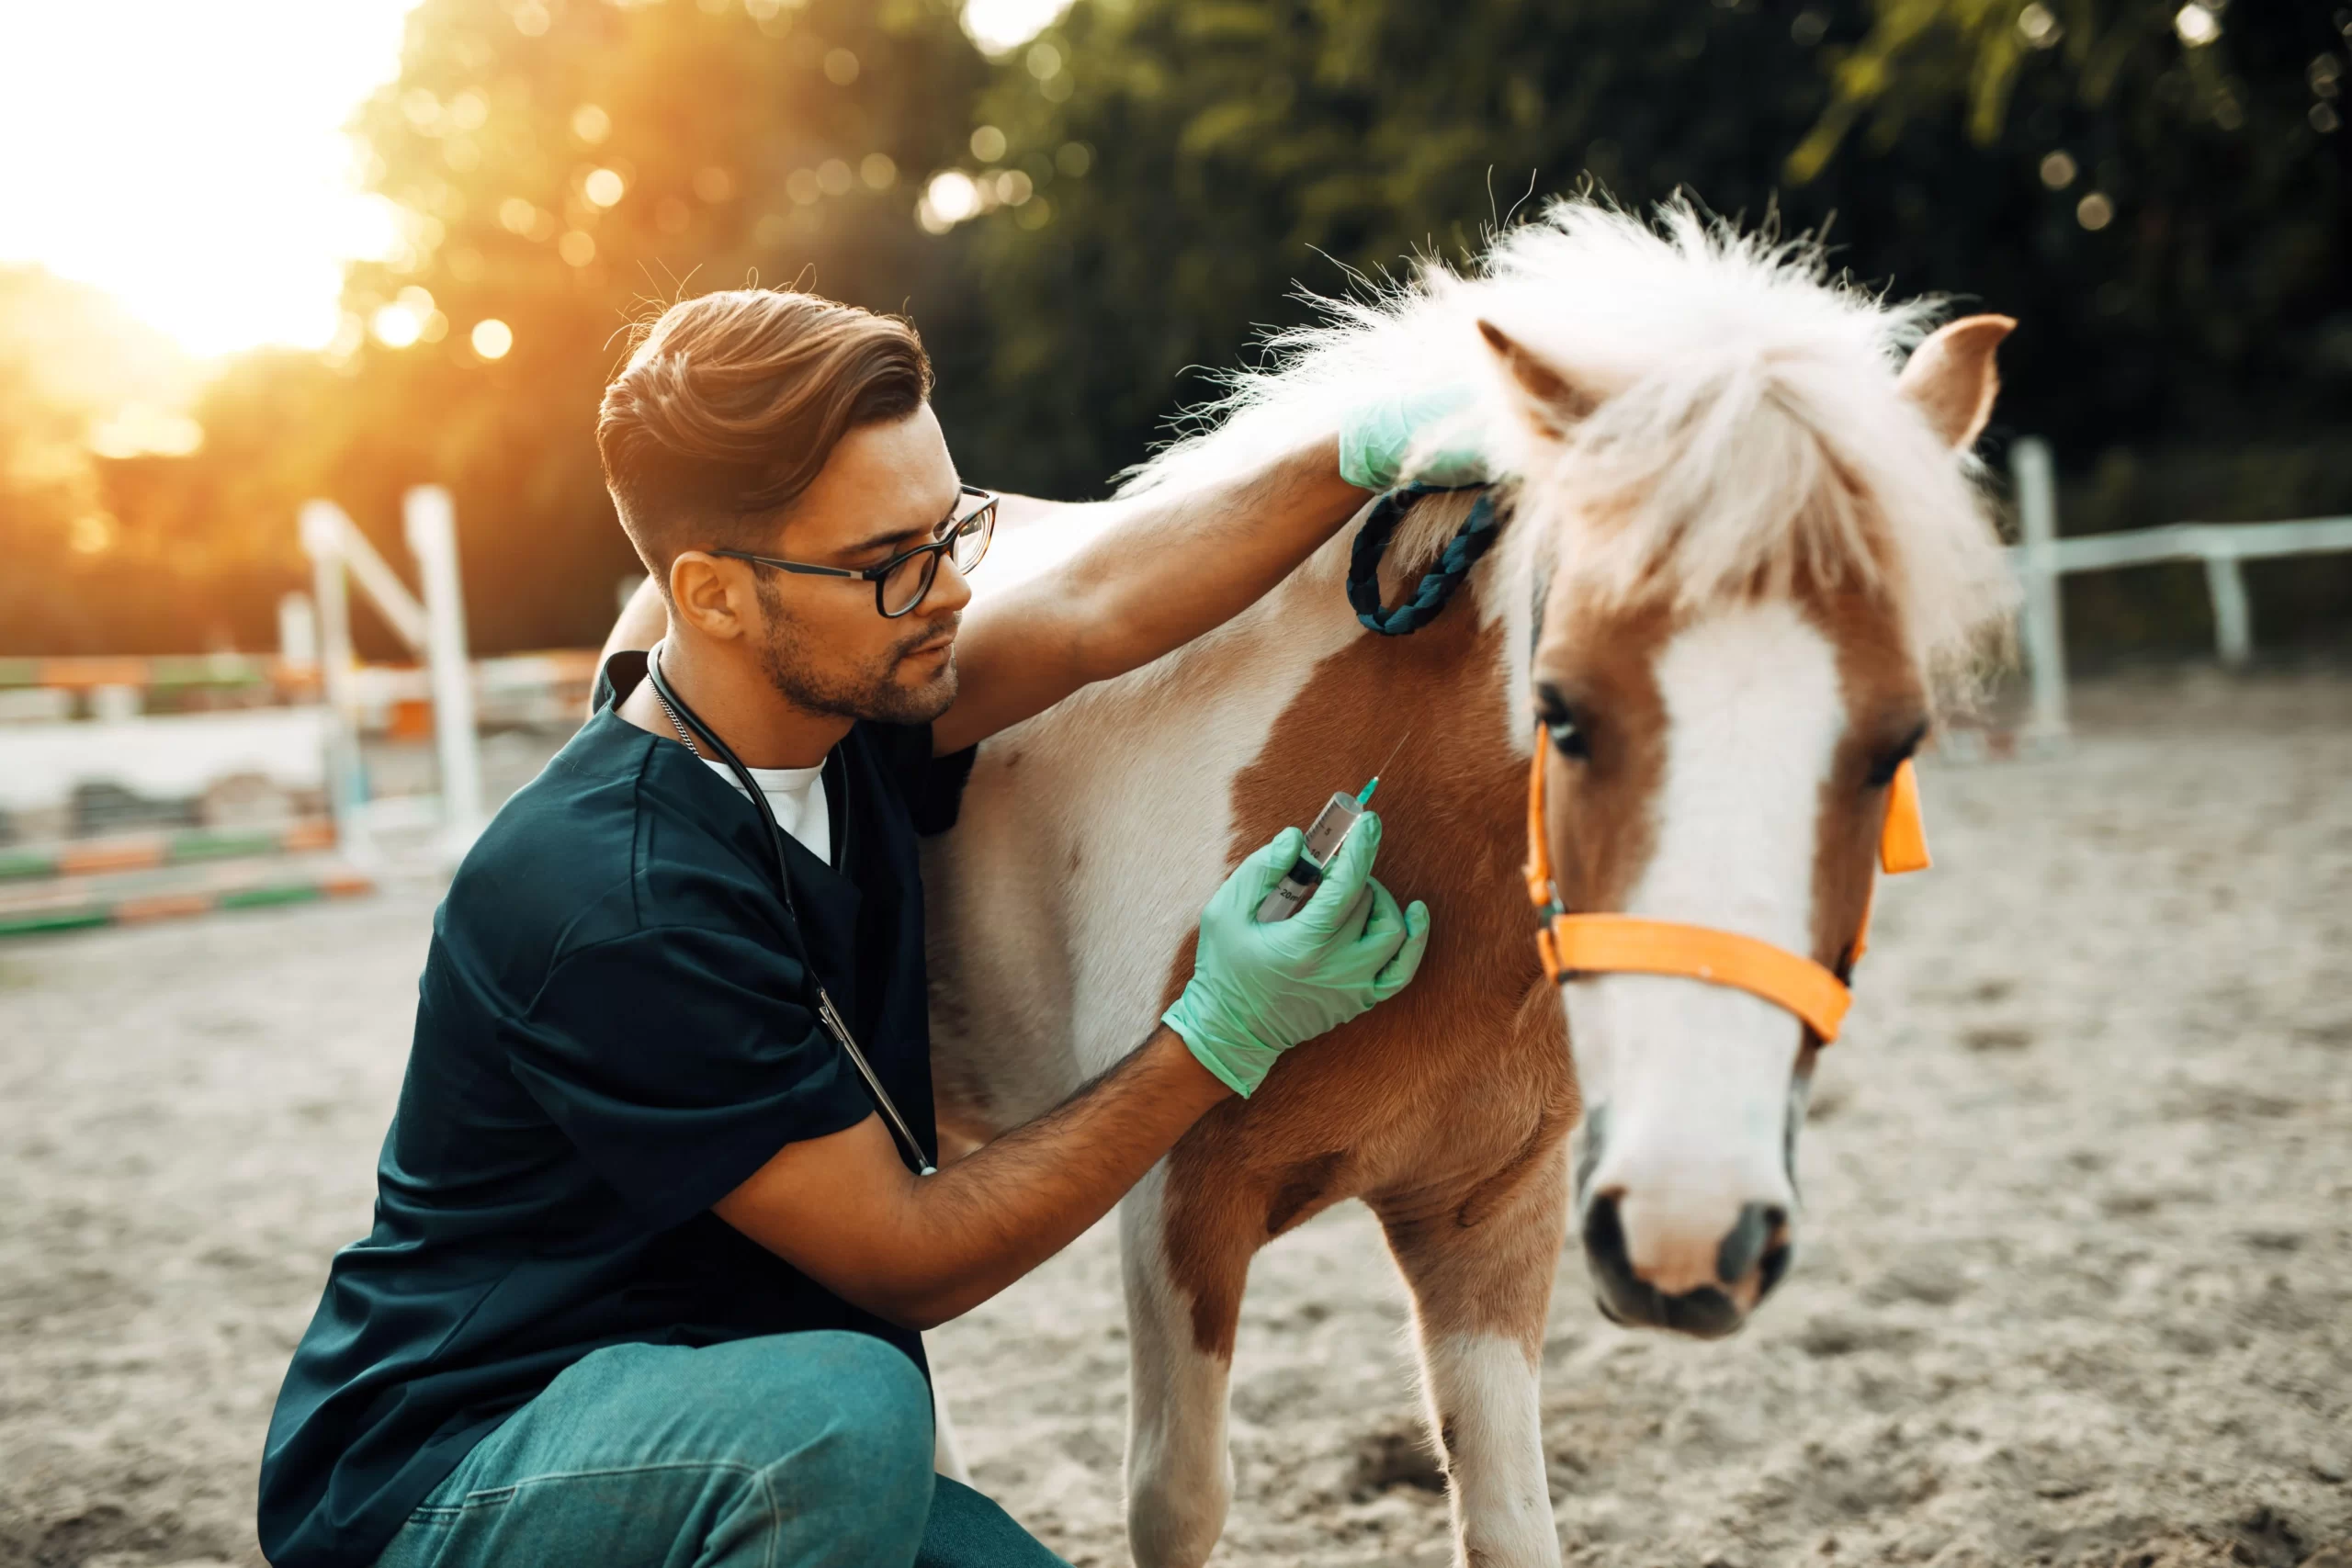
[{"x": 950, "y": 591}]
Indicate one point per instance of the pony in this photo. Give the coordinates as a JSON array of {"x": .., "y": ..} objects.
[{"x": 1743, "y": 554}]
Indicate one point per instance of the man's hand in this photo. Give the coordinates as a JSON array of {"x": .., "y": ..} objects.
[
  {"x": 1258, "y": 989},
  {"x": 1423, "y": 436}
]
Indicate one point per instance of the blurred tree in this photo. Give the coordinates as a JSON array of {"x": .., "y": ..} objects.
[
  {"x": 562, "y": 169},
  {"x": 2167, "y": 215},
  {"x": 79, "y": 380},
  {"x": 559, "y": 169},
  {"x": 2160, "y": 187},
  {"x": 1189, "y": 160},
  {"x": 47, "y": 489},
  {"x": 2156, "y": 189}
]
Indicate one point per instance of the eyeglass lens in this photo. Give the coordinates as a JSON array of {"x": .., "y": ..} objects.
[
  {"x": 973, "y": 534},
  {"x": 906, "y": 585}
]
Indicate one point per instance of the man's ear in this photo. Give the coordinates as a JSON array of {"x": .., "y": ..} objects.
[
  {"x": 710, "y": 595},
  {"x": 1952, "y": 379},
  {"x": 1549, "y": 400}
]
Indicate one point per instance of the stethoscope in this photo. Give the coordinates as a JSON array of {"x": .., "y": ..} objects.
[{"x": 684, "y": 720}]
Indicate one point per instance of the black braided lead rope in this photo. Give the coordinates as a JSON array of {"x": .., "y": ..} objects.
[{"x": 1470, "y": 541}]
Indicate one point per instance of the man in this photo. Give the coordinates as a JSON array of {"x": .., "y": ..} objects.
[{"x": 651, "y": 1259}]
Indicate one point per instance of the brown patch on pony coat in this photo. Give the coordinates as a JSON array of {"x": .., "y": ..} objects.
[
  {"x": 1310, "y": 1180},
  {"x": 1496, "y": 1280},
  {"x": 1599, "y": 810},
  {"x": 1549, "y": 1124},
  {"x": 1884, "y": 706},
  {"x": 1446, "y": 1100}
]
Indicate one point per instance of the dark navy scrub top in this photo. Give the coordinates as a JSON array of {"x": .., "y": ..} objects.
[{"x": 612, "y": 1032}]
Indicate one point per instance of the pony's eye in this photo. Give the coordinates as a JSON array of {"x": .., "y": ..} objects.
[
  {"x": 1558, "y": 716},
  {"x": 1567, "y": 736}
]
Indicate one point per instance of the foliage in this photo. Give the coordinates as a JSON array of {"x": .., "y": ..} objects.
[
  {"x": 2182, "y": 208},
  {"x": 70, "y": 365},
  {"x": 1920, "y": 52},
  {"x": 567, "y": 169},
  {"x": 2168, "y": 216},
  {"x": 2204, "y": 287},
  {"x": 1234, "y": 147}
]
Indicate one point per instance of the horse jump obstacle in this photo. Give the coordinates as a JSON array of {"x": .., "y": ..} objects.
[
  {"x": 236, "y": 773},
  {"x": 274, "y": 735},
  {"x": 2043, "y": 558},
  {"x": 435, "y": 629}
]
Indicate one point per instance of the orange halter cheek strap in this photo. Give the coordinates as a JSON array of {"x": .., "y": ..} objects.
[{"x": 1573, "y": 944}]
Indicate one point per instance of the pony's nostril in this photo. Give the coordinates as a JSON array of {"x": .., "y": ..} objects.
[
  {"x": 1761, "y": 1229},
  {"x": 1605, "y": 1237}
]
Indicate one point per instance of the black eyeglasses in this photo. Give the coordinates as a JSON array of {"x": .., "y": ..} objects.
[{"x": 900, "y": 583}]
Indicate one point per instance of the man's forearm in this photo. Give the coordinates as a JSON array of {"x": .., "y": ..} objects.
[
  {"x": 1163, "y": 569},
  {"x": 991, "y": 1217},
  {"x": 1174, "y": 566}
]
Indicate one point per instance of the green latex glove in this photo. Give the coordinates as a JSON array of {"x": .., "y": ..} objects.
[
  {"x": 1258, "y": 989},
  {"x": 1377, "y": 436}
]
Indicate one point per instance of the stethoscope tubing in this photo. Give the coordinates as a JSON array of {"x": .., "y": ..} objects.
[{"x": 828, "y": 1015}]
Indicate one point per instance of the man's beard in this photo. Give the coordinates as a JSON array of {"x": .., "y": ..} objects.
[{"x": 872, "y": 692}]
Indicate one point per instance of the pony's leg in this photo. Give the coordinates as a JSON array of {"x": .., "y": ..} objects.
[
  {"x": 1480, "y": 1292},
  {"x": 1180, "y": 1475}
]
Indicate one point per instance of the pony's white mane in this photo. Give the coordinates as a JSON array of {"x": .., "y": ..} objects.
[{"x": 1747, "y": 427}]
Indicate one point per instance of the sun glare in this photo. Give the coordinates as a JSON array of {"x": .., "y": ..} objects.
[
  {"x": 1001, "y": 27},
  {"x": 189, "y": 158}
]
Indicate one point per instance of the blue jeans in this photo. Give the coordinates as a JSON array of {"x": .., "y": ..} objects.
[{"x": 796, "y": 1451}]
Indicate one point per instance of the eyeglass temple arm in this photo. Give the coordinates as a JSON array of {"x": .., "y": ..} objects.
[{"x": 803, "y": 567}]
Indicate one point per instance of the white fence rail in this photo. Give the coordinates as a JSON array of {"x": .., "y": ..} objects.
[{"x": 2043, "y": 558}]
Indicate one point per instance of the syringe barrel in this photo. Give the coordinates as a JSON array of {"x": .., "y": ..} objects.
[{"x": 1329, "y": 830}]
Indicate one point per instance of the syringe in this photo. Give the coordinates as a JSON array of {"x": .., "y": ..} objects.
[{"x": 1332, "y": 826}]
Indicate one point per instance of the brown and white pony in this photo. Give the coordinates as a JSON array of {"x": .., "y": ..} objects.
[{"x": 1743, "y": 545}]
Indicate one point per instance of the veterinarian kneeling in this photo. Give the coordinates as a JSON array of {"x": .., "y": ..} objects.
[{"x": 651, "y": 1251}]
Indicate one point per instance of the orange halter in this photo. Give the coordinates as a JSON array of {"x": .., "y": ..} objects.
[{"x": 1586, "y": 944}]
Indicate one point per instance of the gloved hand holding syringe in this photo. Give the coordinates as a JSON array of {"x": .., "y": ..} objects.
[
  {"x": 1263, "y": 980},
  {"x": 1330, "y": 830},
  {"x": 1333, "y": 824}
]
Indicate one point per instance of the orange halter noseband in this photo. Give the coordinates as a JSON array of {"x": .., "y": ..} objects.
[{"x": 1588, "y": 944}]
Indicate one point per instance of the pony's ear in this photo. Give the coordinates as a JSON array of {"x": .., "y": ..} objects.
[
  {"x": 1551, "y": 402},
  {"x": 1952, "y": 378}
]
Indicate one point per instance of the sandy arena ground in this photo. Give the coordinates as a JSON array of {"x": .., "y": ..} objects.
[{"x": 2076, "y": 1286}]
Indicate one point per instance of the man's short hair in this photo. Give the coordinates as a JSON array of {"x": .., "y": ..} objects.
[{"x": 729, "y": 406}]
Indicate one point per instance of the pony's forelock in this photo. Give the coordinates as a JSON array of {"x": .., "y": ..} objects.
[{"x": 1748, "y": 433}]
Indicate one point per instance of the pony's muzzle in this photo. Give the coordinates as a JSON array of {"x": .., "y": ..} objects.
[{"x": 1664, "y": 1290}]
